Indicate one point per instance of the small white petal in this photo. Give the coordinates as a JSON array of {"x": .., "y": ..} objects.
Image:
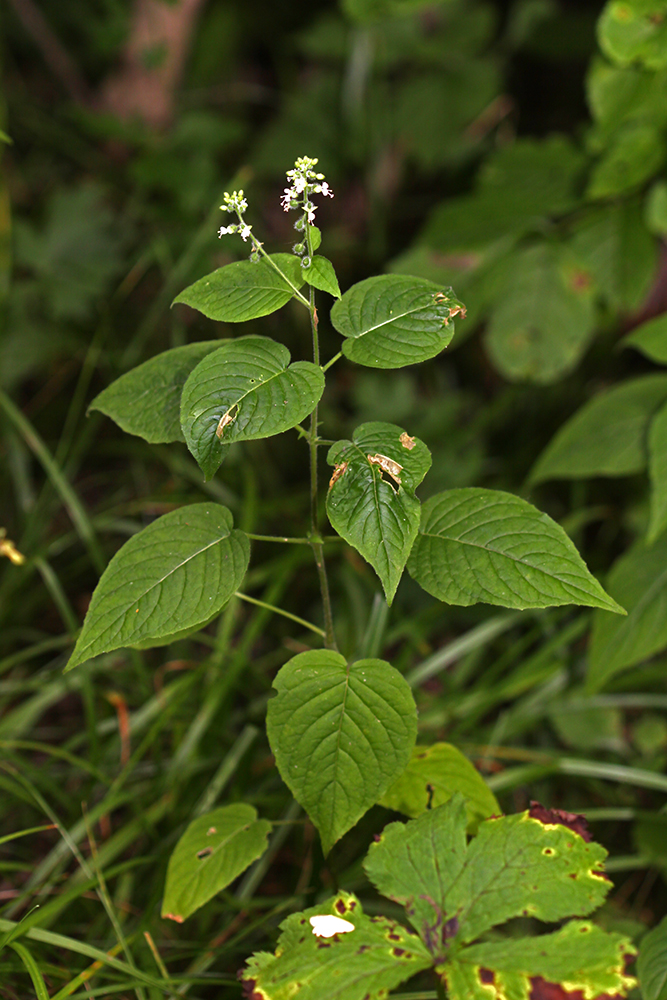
[{"x": 326, "y": 925}]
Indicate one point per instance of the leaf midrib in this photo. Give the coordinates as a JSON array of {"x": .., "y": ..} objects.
[{"x": 392, "y": 319}]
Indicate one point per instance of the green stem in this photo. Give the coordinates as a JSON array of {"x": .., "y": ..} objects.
[
  {"x": 279, "y": 611},
  {"x": 278, "y": 538},
  {"x": 332, "y": 362},
  {"x": 259, "y": 248},
  {"x": 316, "y": 541}
]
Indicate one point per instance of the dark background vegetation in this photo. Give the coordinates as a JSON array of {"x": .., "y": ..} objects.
[{"x": 122, "y": 145}]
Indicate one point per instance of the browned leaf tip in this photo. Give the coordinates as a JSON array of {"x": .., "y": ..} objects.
[
  {"x": 540, "y": 989},
  {"x": 573, "y": 821}
]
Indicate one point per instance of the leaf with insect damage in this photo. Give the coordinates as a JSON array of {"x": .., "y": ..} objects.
[
  {"x": 245, "y": 390},
  {"x": 394, "y": 320},
  {"x": 372, "y": 957},
  {"x": 214, "y": 849},
  {"x": 371, "y": 501}
]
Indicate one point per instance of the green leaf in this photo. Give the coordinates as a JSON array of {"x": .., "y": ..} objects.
[
  {"x": 361, "y": 964},
  {"x": 578, "y": 957},
  {"x": 244, "y": 290},
  {"x": 147, "y": 400},
  {"x": 371, "y": 501},
  {"x": 433, "y": 775},
  {"x": 315, "y": 237},
  {"x": 245, "y": 390},
  {"x": 607, "y": 436},
  {"x": 656, "y": 208},
  {"x": 519, "y": 184},
  {"x": 486, "y": 545},
  {"x": 173, "y": 575},
  {"x": 614, "y": 245},
  {"x": 341, "y": 734},
  {"x": 651, "y": 339},
  {"x": 214, "y": 849},
  {"x": 394, "y": 320},
  {"x": 635, "y": 154},
  {"x": 652, "y": 963},
  {"x": 515, "y": 866},
  {"x": 544, "y": 318},
  {"x": 639, "y": 580},
  {"x": 631, "y": 30},
  {"x": 657, "y": 468},
  {"x": 321, "y": 275},
  {"x": 618, "y": 95}
]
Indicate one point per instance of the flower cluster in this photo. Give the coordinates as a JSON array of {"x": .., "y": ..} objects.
[
  {"x": 304, "y": 181},
  {"x": 235, "y": 202}
]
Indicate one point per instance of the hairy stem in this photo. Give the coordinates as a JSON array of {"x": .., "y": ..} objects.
[{"x": 316, "y": 540}]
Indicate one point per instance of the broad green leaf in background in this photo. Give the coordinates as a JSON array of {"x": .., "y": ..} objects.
[
  {"x": 370, "y": 958},
  {"x": 607, "y": 436},
  {"x": 433, "y": 775},
  {"x": 657, "y": 469},
  {"x": 656, "y": 206},
  {"x": 639, "y": 581},
  {"x": 613, "y": 243},
  {"x": 515, "y": 866},
  {"x": 244, "y": 290},
  {"x": 634, "y": 30},
  {"x": 579, "y": 957},
  {"x": 652, "y": 963},
  {"x": 371, "y": 501},
  {"x": 651, "y": 339},
  {"x": 476, "y": 545},
  {"x": 544, "y": 318},
  {"x": 587, "y": 728},
  {"x": 321, "y": 275},
  {"x": 341, "y": 734},
  {"x": 394, "y": 320},
  {"x": 147, "y": 400},
  {"x": 520, "y": 184},
  {"x": 214, "y": 849},
  {"x": 173, "y": 575},
  {"x": 245, "y": 390},
  {"x": 635, "y": 153},
  {"x": 617, "y": 95}
]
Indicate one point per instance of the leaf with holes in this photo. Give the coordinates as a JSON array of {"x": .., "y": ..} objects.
[
  {"x": 341, "y": 734},
  {"x": 371, "y": 957},
  {"x": 371, "y": 501},
  {"x": 146, "y": 401},
  {"x": 172, "y": 576},
  {"x": 395, "y": 320},
  {"x": 214, "y": 849},
  {"x": 639, "y": 580},
  {"x": 485, "y": 545},
  {"x": 607, "y": 436},
  {"x": 243, "y": 290},
  {"x": 433, "y": 775},
  {"x": 516, "y": 866},
  {"x": 245, "y": 390}
]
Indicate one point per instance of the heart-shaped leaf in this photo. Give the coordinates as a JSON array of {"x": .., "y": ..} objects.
[
  {"x": 433, "y": 775},
  {"x": 214, "y": 849},
  {"x": 371, "y": 501},
  {"x": 245, "y": 290},
  {"x": 489, "y": 546},
  {"x": 394, "y": 320},
  {"x": 341, "y": 734},
  {"x": 147, "y": 400},
  {"x": 174, "y": 575},
  {"x": 245, "y": 390}
]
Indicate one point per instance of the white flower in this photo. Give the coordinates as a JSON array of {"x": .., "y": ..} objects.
[
  {"x": 244, "y": 231},
  {"x": 226, "y": 230},
  {"x": 326, "y": 190},
  {"x": 326, "y": 925}
]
